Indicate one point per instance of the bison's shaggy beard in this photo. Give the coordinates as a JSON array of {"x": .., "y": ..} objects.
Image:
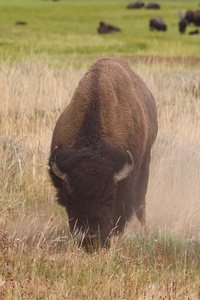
[{"x": 89, "y": 234}]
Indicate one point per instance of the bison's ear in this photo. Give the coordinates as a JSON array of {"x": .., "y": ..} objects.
[
  {"x": 126, "y": 169},
  {"x": 54, "y": 167}
]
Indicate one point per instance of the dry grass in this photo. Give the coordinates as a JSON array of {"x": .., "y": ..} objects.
[{"x": 38, "y": 259}]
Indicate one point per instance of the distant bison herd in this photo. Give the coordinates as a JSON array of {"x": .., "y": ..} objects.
[
  {"x": 190, "y": 17},
  {"x": 140, "y": 4}
]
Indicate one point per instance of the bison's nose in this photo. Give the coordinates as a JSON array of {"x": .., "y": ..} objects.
[{"x": 91, "y": 241}]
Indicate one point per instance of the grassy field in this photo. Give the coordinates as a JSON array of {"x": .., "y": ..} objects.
[
  {"x": 38, "y": 259},
  {"x": 40, "y": 66},
  {"x": 67, "y": 29}
]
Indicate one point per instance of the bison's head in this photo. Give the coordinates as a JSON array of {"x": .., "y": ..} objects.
[
  {"x": 86, "y": 180},
  {"x": 164, "y": 27},
  {"x": 182, "y": 25}
]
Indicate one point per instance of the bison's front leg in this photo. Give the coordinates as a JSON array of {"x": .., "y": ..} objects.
[{"x": 141, "y": 189}]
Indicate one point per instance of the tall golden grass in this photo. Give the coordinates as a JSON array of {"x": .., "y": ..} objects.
[{"x": 38, "y": 258}]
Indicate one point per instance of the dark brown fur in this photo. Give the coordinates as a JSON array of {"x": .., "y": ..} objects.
[
  {"x": 182, "y": 25},
  {"x": 107, "y": 28},
  {"x": 190, "y": 17},
  {"x": 111, "y": 111},
  {"x": 137, "y": 4},
  {"x": 153, "y": 6},
  {"x": 21, "y": 23},
  {"x": 157, "y": 24},
  {"x": 194, "y": 32},
  {"x": 197, "y": 18},
  {"x": 193, "y": 17}
]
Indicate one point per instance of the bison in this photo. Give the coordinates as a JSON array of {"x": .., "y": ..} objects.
[
  {"x": 100, "y": 151},
  {"x": 153, "y": 6},
  {"x": 157, "y": 24},
  {"x": 107, "y": 28},
  {"x": 137, "y": 4},
  {"x": 189, "y": 17},
  {"x": 20, "y": 23}
]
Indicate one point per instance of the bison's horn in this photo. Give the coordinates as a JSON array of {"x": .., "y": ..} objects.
[
  {"x": 126, "y": 169},
  {"x": 55, "y": 168}
]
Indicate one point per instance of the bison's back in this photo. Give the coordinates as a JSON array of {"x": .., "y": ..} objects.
[
  {"x": 127, "y": 106},
  {"x": 111, "y": 95}
]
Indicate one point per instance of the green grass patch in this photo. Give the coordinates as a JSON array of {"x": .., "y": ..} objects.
[
  {"x": 66, "y": 28},
  {"x": 159, "y": 266}
]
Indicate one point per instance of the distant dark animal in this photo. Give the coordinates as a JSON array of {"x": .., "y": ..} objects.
[
  {"x": 190, "y": 17},
  {"x": 137, "y": 4},
  {"x": 194, "y": 32},
  {"x": 153, "y": 6},
  {"x": 157, "y": 24},
  {"x": 107, "y": 28},
  {"x": 21, "y": 23},
  {"x": 100, "y": 151}
]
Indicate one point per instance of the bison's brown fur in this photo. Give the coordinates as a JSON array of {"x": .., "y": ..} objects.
[
  {"x": 111, "y": 112},
  {"x": 137, "y": 4},
  {"x": 153, "y": 6},
  {"x": 107, "y": 28},
  {"x": 190, "y": 17},
  {"x": 196, "y": 31},
  {"x": 182, "y": 25},
  {"x": 193, "y": 17},
  {"x": 157, "y": 24}
]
